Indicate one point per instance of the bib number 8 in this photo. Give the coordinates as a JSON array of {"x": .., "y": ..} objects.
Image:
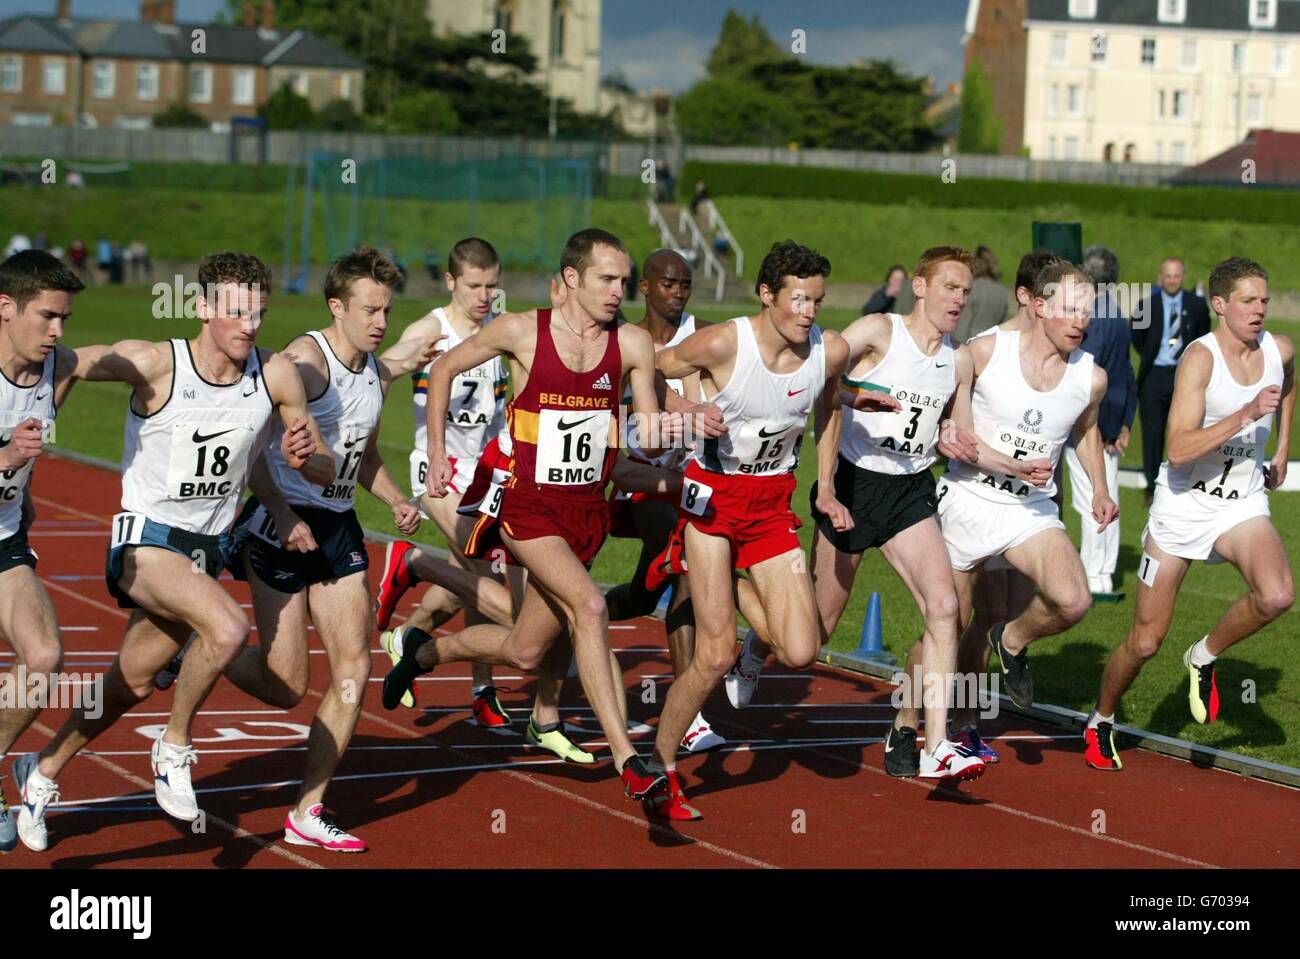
[{"x": 696, "y": 497}]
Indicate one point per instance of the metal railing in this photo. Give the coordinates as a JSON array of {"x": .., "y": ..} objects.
[
  {"x": 718, "y": 225},
  {"x": 712, "y": 265},
  {"x": 666, "y": 237}
]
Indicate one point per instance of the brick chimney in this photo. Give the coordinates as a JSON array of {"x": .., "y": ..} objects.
[
  {"x": 250, "y": 14},
  {"x": 65, "y": 10},
  {"x": 167, "y": 11},
  {"x": 148, "y": 11},
  {"x": 268, "y": 14}
]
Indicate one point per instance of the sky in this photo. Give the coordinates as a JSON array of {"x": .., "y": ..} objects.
[{"x": 664, "y": 43}]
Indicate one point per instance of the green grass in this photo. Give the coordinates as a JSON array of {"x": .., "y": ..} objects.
[{"x": 1066, "y": 668}]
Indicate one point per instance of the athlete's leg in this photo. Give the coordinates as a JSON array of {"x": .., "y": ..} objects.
[
  {"x": 340, "y": 610},
  {"x": 786, "y": 591},
  {"x": 1256, "y": 549},
  {"x": 277, "y": 670},
  {"x": 1049, "y": 559},
  {"x": 655, "y": 521},
  {"x": 1152, "y": 614},
  {"x": 28, "y": 624},
  {"x": 972, "y": 647}
]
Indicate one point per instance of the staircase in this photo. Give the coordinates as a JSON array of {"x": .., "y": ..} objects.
[{"x": 693, "y": 236}]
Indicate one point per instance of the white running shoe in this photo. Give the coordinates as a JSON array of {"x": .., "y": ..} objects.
[
  {"x": 742, "y": 679},
  {"x": 319, "y": 829},
  {"x": 700, "y": 737},
  {"x": 946, "y": 762},
  {"x": 171, "y": 779},
  {"x": 35, "y": 793}
]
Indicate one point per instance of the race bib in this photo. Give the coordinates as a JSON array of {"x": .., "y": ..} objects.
[
  {"x": 1228, "y": 472},
  {"x": 761, "y": 449},
  {"x": 571, "y": 446},
  {"x": 1011, "y": 442},
  {"x": 127, "y": 530},
  {"x": 208, "y": 460},
  {"x": 914, "y": 429},
  {"x": 349, "y": 447},
  {"x": 696, "y": 496},
  {"x": 261, "y": 525},
  {"x": 491, "y": 504}
]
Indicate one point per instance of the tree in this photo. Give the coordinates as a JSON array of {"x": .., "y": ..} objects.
[
  {"x": 338, "y": 115},
  {"x": 742, "y": 44},
  {"x": 981, "y": 129},
  {"x": 422, "y": 111},
  {"x": 735, "y": 113},
  {"x": 179, "y": 115},
  {"x": 286, "y": 110}
]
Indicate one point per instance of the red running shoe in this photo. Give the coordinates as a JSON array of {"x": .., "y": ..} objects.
[
  {"x": 670, "y": 803},
  {"x": 639, "y": 780},
  {"x": 394, "y": 582},
  {"x": 1099, "y": 748},
  {"x": 488, "y": 711}
]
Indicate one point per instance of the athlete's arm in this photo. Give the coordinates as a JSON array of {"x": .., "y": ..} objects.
[
  {"x": 1188, "y": 441},
  {"x": 827, "y": 420},
  {"x": 414, "y": 349},
  {"x": 375, "y": 479},
  {"x": 1037, "y": 472},
  {"x": 1275, "y": 476},
  {"x": 65, "y": 369},
  {"x": 955, "y": 442},
  {"x": 302, "y": 446},
  {"x": 867, "y": 336},
  {"x": 1088, "y": 444},
  {"x": 710, "y": 350},
  {"x": 137, "y": 362},
  {"x": 659, "y": 429},
  {"x": 511, "y": 334},
  {"x": 632, "y": 477},
  {"x": 291, "y": 529}
]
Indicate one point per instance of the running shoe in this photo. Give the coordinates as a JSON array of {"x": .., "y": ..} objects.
[
  {"x": 171, "y": 779},
  {"x": 639, "y": 780},
  {"x": 168, "y": 674},
  {"x": 945, "y": 762},
  {"x": 700, "y": 738},
  {"x": 488, "y": 711},
  {"x": 969, "y": 743},
  {"x": 670, "y": 802},
  {"x": 396, "y": 579},
  {"x": 1015, "y": 669},
  {"x": 8, "y": 823},
  {"x": 1099, "y": 747},
  {"x": 391, "y": 641},
  {"x": 35, "y": 793},
  {"x": 900, "y": 752},
  {"x": 319, "y": 829},
  {"x": 742, "y": 679},
  {"x": 401, "y": 678},
  {"x": 1202, "y": 692},
  {"x": 556, "y": 741}
]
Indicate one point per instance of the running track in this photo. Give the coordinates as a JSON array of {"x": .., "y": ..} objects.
[{"x": 427, "y": 788}]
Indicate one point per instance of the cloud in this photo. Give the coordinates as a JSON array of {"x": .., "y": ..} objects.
[{"x": 673, "y": 58}]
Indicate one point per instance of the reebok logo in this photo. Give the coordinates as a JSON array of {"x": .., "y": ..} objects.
[
  {"x": 602, "y": 383},
  {"x": 199, "y": 438},
  {"x": 76, "y": 912}
]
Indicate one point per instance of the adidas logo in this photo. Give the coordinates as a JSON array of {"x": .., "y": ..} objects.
[{"x": 602, "y": 383}]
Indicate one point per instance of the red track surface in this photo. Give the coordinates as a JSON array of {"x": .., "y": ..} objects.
[{"x": 426, "y": 788}]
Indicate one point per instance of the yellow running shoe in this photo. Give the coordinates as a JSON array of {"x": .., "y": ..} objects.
[
  {"x": 556, "y": 742},
  {"x": 388, "y": 641}
]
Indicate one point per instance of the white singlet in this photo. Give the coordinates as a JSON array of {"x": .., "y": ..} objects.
[
  {"x": 673, "y": 459},
  {"x": 186, "y": 464},
  {"x": 765, "y": 413},
  {"x": 902, "y": 443},
  {"x": 17, "y": 404}
]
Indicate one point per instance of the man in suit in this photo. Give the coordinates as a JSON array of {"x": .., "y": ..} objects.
[{"x": 1170, "y": 319}]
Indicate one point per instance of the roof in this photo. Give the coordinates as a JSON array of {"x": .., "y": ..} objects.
[
  {"x": 1201, "y": 14},
  {"x": 1276, "y": 154},
  {"x": 128, "y": 39}
]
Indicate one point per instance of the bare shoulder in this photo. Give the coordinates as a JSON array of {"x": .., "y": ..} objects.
[
  {"x": 1099, "y": 380},
  {"x": 305, "y": 351},
  {"x": 980, "y": 348},
  {"x": 629, "y": 334},
  {"x": 425, "y": 328},
  {"x": 715, "y": 340},
  {"x": 1285, "y": 347},
  {"x": 837, "y": 348},
  {"x": 65, "y": 361}
]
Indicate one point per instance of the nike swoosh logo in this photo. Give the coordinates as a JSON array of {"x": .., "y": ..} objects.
[
  {"x": 41, "y": 396},
  {"x": 796, "y": 392},
  {"x": 198, "y": 438},
  {"x": 348, "y": 446},
  {"x": 569, "y": 426},
  {"x": 939, "y": 366},
  {"x": 764, "y": 433}
]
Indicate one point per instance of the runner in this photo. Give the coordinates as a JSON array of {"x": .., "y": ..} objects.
[
  {"x": 568, "y": 366},
  {"x": 765, "y": 373},
  {"x": 1211, "y": 499},
  {"x": 36, "y": 292},
  {"x": 1031, "y": 391},
  {"x": 300, "y": 546},
  {"x": 198, "y": 409}
]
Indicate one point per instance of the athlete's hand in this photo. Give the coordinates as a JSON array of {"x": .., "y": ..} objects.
[
  {"x": 1121, "y": 442},
  {"x": 24, "y": 445},
  {"x": 839, "y": 515},
  {"x": 1104, "y": 509},
  {"x": 872, "y": 401},
  {"x": 406, "y": 517},
  {"x": 1265, "y": 402},
  {"x": 1275, "y": 472},
  {"x": 297, "y": 445},
  {"x": 429, "y": 350},
  {"x": 1034, "y": 472},
  {"x": 705, "y": 420},
  {"x": 956, "y": 444},
  {"x": 437, "y": 481},
  {"x": 300, "y": 539}
]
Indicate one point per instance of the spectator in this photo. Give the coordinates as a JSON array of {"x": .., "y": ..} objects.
[
  {"x": 989, "y": 303},
  {"x": 701, "y": 194},
  {"x": 17, "y": 244},
  {"x": 77, "y": 259},
  {"x": 137, "y": 255},
  {"x": 1167, "y": 322},
  {"x": 1107, "y": 339},
  {"x": 104, "y": 256},
  {"x": 115, "y": 264},
  {"x": 883, "y": 300},
  {"x": 720, "y": 244}
]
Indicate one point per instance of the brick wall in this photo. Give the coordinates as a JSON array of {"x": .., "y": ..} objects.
[{"x": 1001, "y": 43}]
